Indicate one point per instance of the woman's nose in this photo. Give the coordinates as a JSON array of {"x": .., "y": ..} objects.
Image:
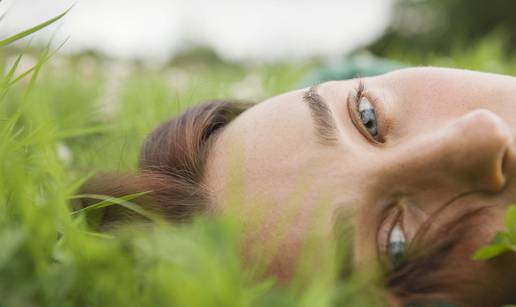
[{"x": 474, "y": 152}]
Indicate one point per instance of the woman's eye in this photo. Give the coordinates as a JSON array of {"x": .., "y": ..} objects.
[
  {"x": 362, "y": 111},
  {"x": 368, "y": 117},
  {"x": 396, "y": 244}
]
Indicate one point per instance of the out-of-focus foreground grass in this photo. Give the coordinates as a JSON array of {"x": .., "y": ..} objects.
[
  {"x": 67, "y": 118},
  {"x": 72, "y": 116}
]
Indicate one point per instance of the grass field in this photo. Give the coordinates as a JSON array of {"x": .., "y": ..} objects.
[
  {"x": 72, "y": 116},
  {"x": 69, "y": 117}
]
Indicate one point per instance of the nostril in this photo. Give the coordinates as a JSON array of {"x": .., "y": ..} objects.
[
  {"x": 507, "y": 163},
  {"x": 503, "y": 166},
  {"x": 504, "y": 162}
]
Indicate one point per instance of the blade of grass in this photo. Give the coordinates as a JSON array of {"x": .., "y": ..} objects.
[
  {"x": 122, "y": 201},
  {"x": 29, "y": 31},
  {"x": 105, "y": 200},
  {"x": 70, "y": 133},
  {"x": 37, "y": 68},
  {"x": 6, "y": 80},
  {"x": 10, "y": 73},
  {"x": 44, "y": 60},
  {"x": 76, "y": 184},
  {"x": 99, "y": 235},
  {"x": 13, "y": 119}
]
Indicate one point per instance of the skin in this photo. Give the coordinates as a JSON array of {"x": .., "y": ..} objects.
[{"x": 447, "y": 138}]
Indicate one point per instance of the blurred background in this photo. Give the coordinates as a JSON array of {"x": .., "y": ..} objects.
[
  {"x": 118, "y": 59},
  {"x": 155, "y": 31}
]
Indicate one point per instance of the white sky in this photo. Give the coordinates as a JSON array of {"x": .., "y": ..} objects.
[{"x": 237, "y": 29}]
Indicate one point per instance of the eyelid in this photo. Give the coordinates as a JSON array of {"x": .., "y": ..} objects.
[
  {"x": 386, "y": 225},
  {"x": 352, "y": 103}
]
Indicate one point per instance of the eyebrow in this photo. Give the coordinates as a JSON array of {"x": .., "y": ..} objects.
[{"x": 324, "y": 122}]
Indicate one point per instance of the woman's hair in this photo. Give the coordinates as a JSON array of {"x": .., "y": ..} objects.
[
  {"x": 171, "y": 167},
  {"x": 426, "y": 274},
  {"x": 439, "y": 271}
]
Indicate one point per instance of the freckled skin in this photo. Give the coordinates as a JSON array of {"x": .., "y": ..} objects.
[{"x": 449, "y": 135}]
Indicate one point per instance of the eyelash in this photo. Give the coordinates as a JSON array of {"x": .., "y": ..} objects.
[{"x": 353, "y": 104}]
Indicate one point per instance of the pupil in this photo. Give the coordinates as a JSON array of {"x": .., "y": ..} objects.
[
  {"x": 396, "y": 252},
  {"x": 369, "y": 121}
]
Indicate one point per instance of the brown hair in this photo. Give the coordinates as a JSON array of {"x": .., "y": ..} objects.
[
  {"x": 439, "y": 271},
  {"x": 171, "y": 166}
]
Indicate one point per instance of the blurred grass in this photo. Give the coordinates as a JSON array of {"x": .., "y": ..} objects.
[
  {"x": 489, "y": 54},
  {"x": 73, "y": 116}
]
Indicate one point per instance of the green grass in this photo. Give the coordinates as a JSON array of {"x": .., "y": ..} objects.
[
  {"x": 67, "y": 118},
  {"x": 488, "y": 54}
]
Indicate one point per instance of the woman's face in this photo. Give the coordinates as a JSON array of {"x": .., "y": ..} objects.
[{"x": 386, "y": 152}]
